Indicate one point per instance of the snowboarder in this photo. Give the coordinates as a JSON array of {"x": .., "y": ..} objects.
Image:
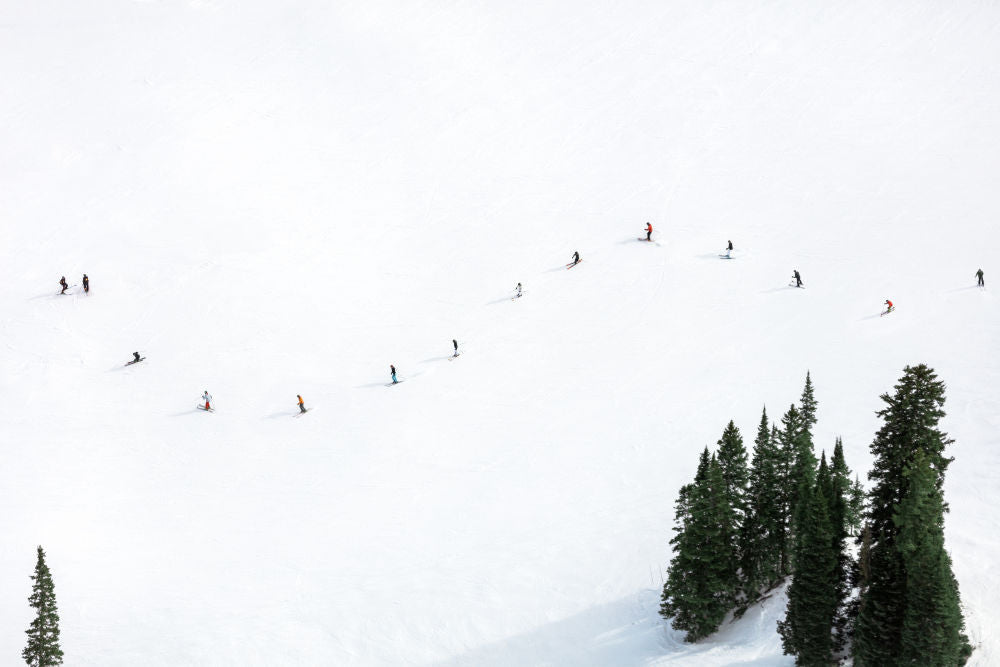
[
  {"x": 86, "y": 284},
  {"x": 455, "y": 344},
  {"x": 208, "y": 400},
  {"x": 888, "y": 307},
  {"x": 137, "y": 357},
  {"x": 519, "y": 289},
  {"x": 576, "y": 258},
  {"x": 393, "y": 370},
  {"x": 65, "y": 285},
  {"x": 979, "y": 276},
  {"x": 797, "y": 278},
  {"x": 302, "y": 404},
  {"x": 649, "y": 231}
]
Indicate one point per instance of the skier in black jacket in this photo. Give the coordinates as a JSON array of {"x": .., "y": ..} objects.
[
  {"x": 86, "y": 284},
  {"x": 798, "y": 278},
  {"x": 65, "y": 285},
  {"x": 979, "y": 276}
]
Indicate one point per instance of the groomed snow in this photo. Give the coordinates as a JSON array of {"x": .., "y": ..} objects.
[{"x": 275, "y": 199}]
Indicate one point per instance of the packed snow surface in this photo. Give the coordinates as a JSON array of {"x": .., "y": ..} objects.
[{"x": 281, "y": 198}]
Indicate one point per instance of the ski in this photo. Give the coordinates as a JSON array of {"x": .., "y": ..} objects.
[
  {"x": 454, "y": 356},
  {"x": 725, "y": 257},
  {"x": 202, "y": 407},
  {"x": 885, "y": 312},
  {"x": 572, "y": 264},
  {"x": 642, "y": 239},
  {"x": 129, "y": 363},
  {"x": 395, "y": 383}
]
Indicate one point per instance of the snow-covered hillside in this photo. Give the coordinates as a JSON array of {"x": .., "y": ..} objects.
[{"x": 281, "y": 198}]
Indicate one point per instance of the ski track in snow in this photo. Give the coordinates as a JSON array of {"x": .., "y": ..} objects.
[{"x": 273, "y": 201}]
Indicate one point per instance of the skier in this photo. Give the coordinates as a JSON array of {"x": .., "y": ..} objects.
[
  {"x": 888, "y": 307},
  {"x": 137, "y": 357},
  {"x": 519, "y": 289},
  {"x": 455, "y": 344},
  {"x": 576, "y": 258},
  {"x": 208, "y": 400},
  {"x": 86, "y": 284},
  {"x": 649, "y": 231},
  {"x": 797, "y": 277},
  {"x": 302, "y": 405},
  {"x": 979, "y": 276},
  {"x": 65, "y": 285},
  {"x": 730, "y": 248},
  {"x": 393, "y": 369}
]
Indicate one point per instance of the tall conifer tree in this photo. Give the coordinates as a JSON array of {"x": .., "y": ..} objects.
[
  {"x": 910, "y": 423},
  {"x": 932, "y": 623},
  {"x": 701, "y": 583},
  {"x": 762, "y": 533},
  {"x": 807, "y": 408},
  {"x": 732, "y": 457},
  {"x": 43, "y": 648},
  {"x": 806, "y": 630}
]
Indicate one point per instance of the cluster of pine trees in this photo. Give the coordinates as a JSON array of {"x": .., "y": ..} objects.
[{"x": 743, "y": 529}]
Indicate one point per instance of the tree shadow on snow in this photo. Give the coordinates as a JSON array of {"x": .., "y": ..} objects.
[{"x": 624, "y": 631}]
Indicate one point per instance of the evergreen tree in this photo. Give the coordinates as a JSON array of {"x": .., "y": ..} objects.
[
  {"x": 855, "y": 507},
  {"x": 783, "y": 469},
  {"x": 800, "y": 464},
  {"x": 806, "y": 631},
  {"x": 910, "y": 423},
  {"x": 43, "y": 633},
  {"x": 732, "y": 457},
  {"x": 838, "y": 468},
  {"x": 807, "y": 408},
  {"x": 832, "y": 482},
  {"x": 932, "y": 622},
  {"x": 701, "y": 583},
  {"x": 762, "y": 533}
]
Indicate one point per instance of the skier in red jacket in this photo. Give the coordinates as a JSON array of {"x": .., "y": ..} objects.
[{"x": 649, "y": 231}]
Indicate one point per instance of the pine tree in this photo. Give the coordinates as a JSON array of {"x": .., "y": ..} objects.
[
  {"x": 799, "y": 464},
  {"x": 806, "y": 631},
  {"x": 832, "y": 482},
  {"x": 732, "y": 456},
  {"x": 43, "y": 633},
  {"x": 855, "y": 507},
  {"x": 762, "y": 533},
  {"x": 910, "y": 423},
  {"x": 807, "y": 408},
  {"x": 701, "y": 583},
  {"x": 783, "y": 469},
  {"x": 932, "y": 632}
]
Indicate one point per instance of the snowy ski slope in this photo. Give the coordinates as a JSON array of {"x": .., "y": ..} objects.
[{"x": 274, "y": 199}]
